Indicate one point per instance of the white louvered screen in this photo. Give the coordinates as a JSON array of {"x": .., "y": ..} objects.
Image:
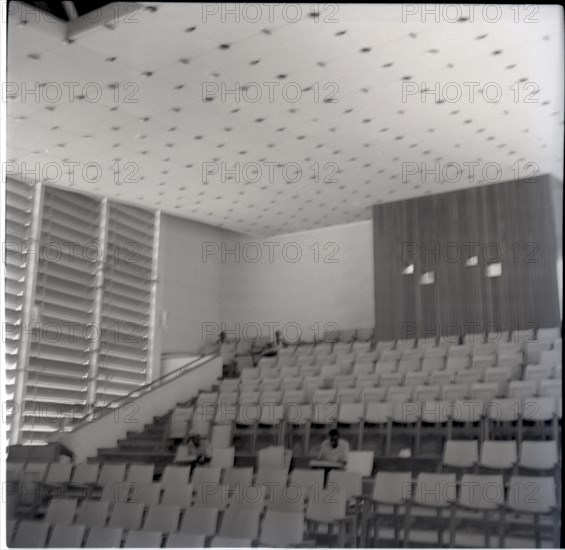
[
  {"x": 19, "y": 203},
  {"x": 125, "y": 326},
  {"x": 64, "y": 299}
]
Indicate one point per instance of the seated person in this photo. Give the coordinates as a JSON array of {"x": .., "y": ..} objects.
[
  {"x": 334, "y": 449},
  {"x": 199, "y": 448}
]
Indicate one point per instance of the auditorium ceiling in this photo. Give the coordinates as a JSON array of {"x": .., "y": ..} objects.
[{"x": 278, "y": 118}]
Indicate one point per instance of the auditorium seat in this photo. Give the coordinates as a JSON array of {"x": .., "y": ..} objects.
[
  {"x": 230, "y": 542},
  {"x": 31, "y": 534},
  {"x": 104, "y": 537},
  {"x": 498, "y": 455},
  {"x": 148, "y": 494},
  {"x": 178, "y": 495},
  {"x": 520, "y": 502},
  {"x": 66, "y": 536},
  {"x": 93, "y": 513},
  {"x": 390, "y": 492},
  {"x": 462, "y": 454},
  {"x": 162, "y": 518},
  {"x": 199, "y": 521},
  {"x": 182, "y": 540},
  {"x": 143, "y": 539},
  {"x": 127, "y": 515},
  {"x": 61, "y": 511}
]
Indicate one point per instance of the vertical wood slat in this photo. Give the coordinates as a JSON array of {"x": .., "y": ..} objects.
[{"x": 515, "y": 217}]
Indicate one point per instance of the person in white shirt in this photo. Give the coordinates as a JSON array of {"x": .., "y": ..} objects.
[{"x": 334, "y": 449}]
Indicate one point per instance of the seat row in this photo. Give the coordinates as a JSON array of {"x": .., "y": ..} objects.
[{"x": 362, "y": 422}]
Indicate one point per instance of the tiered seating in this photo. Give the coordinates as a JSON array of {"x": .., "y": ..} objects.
[
  {"x": 419, "y": 387},
  {"x": 213, "y": 506}
]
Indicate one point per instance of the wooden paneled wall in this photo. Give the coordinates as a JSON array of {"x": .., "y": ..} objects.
[{"x": 512, "y": 223}]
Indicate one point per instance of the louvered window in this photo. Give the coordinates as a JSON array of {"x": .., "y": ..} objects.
[
  {"x": 57, "y": 379},
  {"x": 19, "y": 202},
  {"x": 125, "y": 324}
]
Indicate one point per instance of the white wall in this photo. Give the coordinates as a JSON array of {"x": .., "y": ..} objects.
[
  {"x": 189, "y": 289},
  {"x": 105, "y": 433},
  {"x": 330, "y": 285},
  {"x": 334, "y": 286}
]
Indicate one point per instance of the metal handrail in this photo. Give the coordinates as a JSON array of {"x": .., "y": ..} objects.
[{"x": 92, "y": 415}]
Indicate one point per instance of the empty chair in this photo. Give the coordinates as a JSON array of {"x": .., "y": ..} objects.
[
  {"x": 148, "y": 494},
  {"x": 533, "y": 496},
  {"x": 484, "y": 390},
  {"x": 84, "y": 475},
  {"x": 202, "y": 475},
  {"x": 324, "y": 396},
  {"x": 382, "y": 347},
  {"x": 143, "y": 539},
  {"x": 439, "y": 352},
  {"x": 548, "y": 334},
  {"x": 111, "y": 473},
  {"x": 289, "y": 372},
  {"x": 310, "y": 385},
  {"x": 305, "y": 360},
  {"x": 267, "y": 362},
  {"x": 285, "y": 498},
  {"x": 286, "y": 359},
  {"x": 405, "y": 344},
  {"x": 240, "y": 523},
  {"x": 140, "y": 473},
  {"x": 349, "y": 419},
  {"x": 497, "y": 336},
  {"x": 328, "y": 372},
  {"x": 452, "y": 391},
  {"x": 466, "y": 418},
  {"x": 175, "y": 475},
  {"x": 230, "y": 542},
  {"x": 482, "y": 362},
  {"x": 351, "y": 483},
  {"x": 162, "y": 518},
  {"x": 426, "y": 393},
  {"x": 441, "y": 378},
  {"x": 367, "y": 380},
  {"x": 271, "y": 477},
  {"x": 366, "y": 357},
  {"x": 463, "y": 350},
  {"x": 127, "y": 515},
  {"x": 342, "y": 347},
  {"x": 434, "y": 491},
  {"x": 344, "y": 381},
  {"x": 31, "y": 534},
  {"x": 249, "y": 374},
  {"x": 533, "y": 351},
  {"x": 270, "y": 396},
  {"x": 538, "y": 455},
  {"x": 460, "y": 453},
  {"x": 212, "y": 495},
  {"x": 347, "y": 395},
  {"x": 498, "y": 455},
  {"x": 457, "y": 363},
  {"x": 363, "y": 368},
  {"x": 282, "y": 529},
  {"x": 413, "y": 379},
  {"x": 61, "y": 511},
  {"x": 468, "y": 377},
  {"x": 474, "y": 338},
  {"x": 248, "y": 497},
  {"x": 521, "y": 388},
  {"x": 307, "y": 480},
  {"x": 199, "y": 521},
  {"x": 414, "y": 355},
  {"x": 408, "y": 365},
  {"x": 294, "y": 383},
  {"x": 270, "y": 384},
  {"x": 390, "y": 491},
  {"x": 58, "y": 473},
  {"x": 396, "y": 394},
  {"x": 328, "y": 509},
  {"x": 499, "y": 375},
  {"x": 377, "y": 422},
  {"x": 392, "y": 379},
  {"x": 478, "y": 494},
  {"x": 501, "y": 418},
  {"x": 178, "y": 495},
  {"x": 297, "y": 418},
  {"x": 325, "y": 359},
  {"x": 179, "y": 421},
  {"x": 549, "y": 388},
  {"x": 373, "y": 395},
  {"x": 116, "y": 492},
  {"x": 104, "y": 537},
  {"x": 221, "y": 436},
  {"x": 66, "y": 536},
  {"x": 238, "y": 476},
  {"x": 537, "y": 413},
  {"x": 93, "y": 513},
  {"x": 223, "y": 458},
  {"x": 182, "y": 540},
  {"x": 523, "y": 336},
  {"x": 385, "y": 367}
]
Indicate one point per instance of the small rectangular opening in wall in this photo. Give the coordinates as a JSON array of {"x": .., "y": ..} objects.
[
  {"x": 428, "y": 278},
  {"x": 494, "y": 270}
]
